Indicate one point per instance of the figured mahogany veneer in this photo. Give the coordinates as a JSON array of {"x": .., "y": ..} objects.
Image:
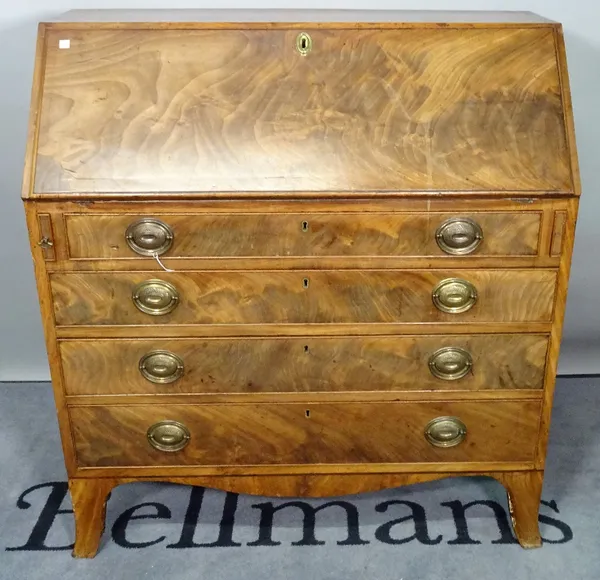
[
  {"x": 247, "y": 235},
  {"x": 370, "y": 109},
  {"x": 301, "y": 188},
  {"x": 367, "y": 296},
  {"x": 318, "y": 433},
  {"x": 304, "y": 364}
]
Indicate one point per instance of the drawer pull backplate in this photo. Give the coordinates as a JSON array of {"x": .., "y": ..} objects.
[
  {"x": 445, "y": 431},
  {"x": 459, "y": 236},
  {"x": 168, "y": 436}
]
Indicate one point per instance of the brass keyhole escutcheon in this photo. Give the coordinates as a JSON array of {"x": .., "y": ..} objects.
[
  {"x": 305, "y": 283},
  {"x": 304, "y": 43},
  {"x": 305, "y": 226}
]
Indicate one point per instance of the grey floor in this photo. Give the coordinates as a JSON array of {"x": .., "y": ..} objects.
[{"x": 418, "y": 539}]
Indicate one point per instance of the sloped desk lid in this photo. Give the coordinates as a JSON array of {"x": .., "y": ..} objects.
[{"x": 213, "y": 110}]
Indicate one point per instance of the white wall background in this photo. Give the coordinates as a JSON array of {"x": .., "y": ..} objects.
[{"x": 22, "y": 352}]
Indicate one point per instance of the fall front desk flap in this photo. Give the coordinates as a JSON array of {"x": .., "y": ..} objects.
[{"x": 126, "y": 110}]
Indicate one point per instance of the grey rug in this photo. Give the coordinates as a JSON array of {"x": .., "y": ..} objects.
[{"x": 420, "y": 532}]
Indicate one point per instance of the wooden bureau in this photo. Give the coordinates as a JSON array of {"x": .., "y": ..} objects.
[{"x": 301, "y": 253}]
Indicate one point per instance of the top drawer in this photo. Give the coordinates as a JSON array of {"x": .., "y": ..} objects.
[{"x": 435, "y": 234}]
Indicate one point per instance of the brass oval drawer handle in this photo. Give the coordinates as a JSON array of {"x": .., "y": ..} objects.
[
  {"x": 454, "y": 296},
  {"x": 155, "y": 297},
  {"x": 149, "y": 236},
  {"x": 445, "y": 432},
  {"x": 459, "y": 236},
  {"x": 168, "y": 436},
  {"x": 450, "y": 363},
  {"x": 161, "y": 367}
]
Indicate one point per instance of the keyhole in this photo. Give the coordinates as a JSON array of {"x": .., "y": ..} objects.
[
  {"x": 307, "y": 413},
  {"x": 303, "y": 43},
  {"x": 306, "y": 348},
  {"x": 304, "y": 226},
  {"x": 305, "y": 283}
]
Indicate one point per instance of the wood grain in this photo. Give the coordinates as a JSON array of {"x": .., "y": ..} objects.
[
  {"x": 557, "y": 328},
  {"x": 301, "y": 263},
  {"x": 367, "y": 110},
  {"x": 35, "y": 110},
  {"x": 89, "y": 495},
  {"x": 154, "y": 331},
  {"x": 309, "y": 397},
  {"x": 307, "y": 364},
  {"x": 302, "y": 470},
  {"x": 349, "y": 211},
  {"x": 561, "y": 55},
  {"x": 89, "y": 498},
  {"x": 49, "y": 326},
  {"x": 244, "y": 235},
  {"x": 248, "y": 205},
  {"x": 281, "y": 434},
  {"x": 46, "y": 235},
  {"x": 558, "y": 230},
  {"x": 367, "y": 296},
  {"x": 524, "y": 495},
  {"x": 224, "y": 131}
]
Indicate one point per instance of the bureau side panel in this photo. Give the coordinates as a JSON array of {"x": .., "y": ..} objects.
[
  {"x": 568, "y": 238},
  {"x": 47, "y": 311},
  {"x": 567, "y": 107}
]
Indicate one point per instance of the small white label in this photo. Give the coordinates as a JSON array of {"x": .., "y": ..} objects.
[{"x": 64, "y": 43}]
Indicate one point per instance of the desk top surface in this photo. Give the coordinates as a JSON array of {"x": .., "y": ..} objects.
[{"x": 282, "y": 15}]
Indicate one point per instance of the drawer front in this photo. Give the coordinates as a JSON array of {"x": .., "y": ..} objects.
[
  {"x": 244, "y": 111},
  {"x": 319, "y": 433},
  {"x": 304, "y": 364},
  {"x": 305, "y": 234},
  {"x": 321, "y": 297}
]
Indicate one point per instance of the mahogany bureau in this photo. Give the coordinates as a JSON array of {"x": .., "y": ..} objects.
[{"x": 303, "y": 253}]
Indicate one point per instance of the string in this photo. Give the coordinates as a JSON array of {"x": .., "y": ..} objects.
[{"x": 155, "y": 255}]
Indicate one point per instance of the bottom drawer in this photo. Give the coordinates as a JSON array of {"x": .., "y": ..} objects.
[{"x": 304, "y": 434}]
